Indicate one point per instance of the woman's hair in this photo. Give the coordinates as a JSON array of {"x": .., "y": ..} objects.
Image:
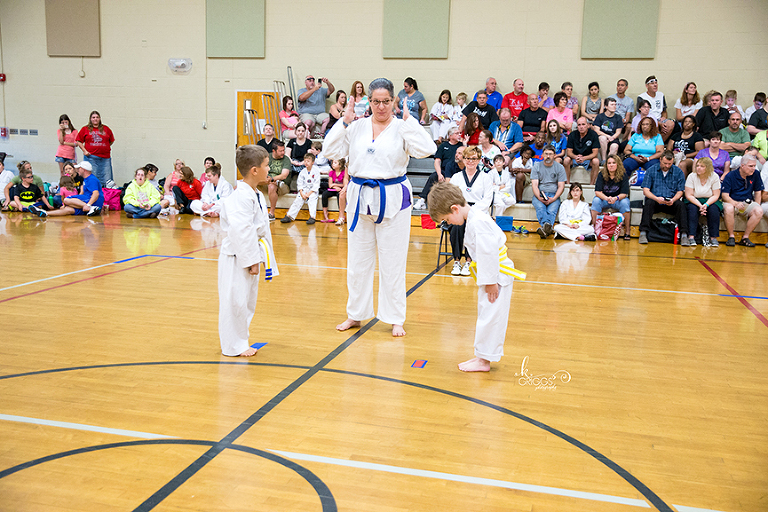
[
  {"x": 591, "y": 85},
  {"x": 488, "y": 135},
  {"x": 66, "y": 182},
  {"x": 577, "y": 185},
  {"x": 707, "y": 164},
  {"x": 472, "y": 150},
  {"x": 654, "y": 131},
  {"x": 299, "y": 124},
  {"x": 715, "y": 135},
  {"x": 731, "y": 93},
  {"x": 558, "y": 133},
  {"x": 143, "y": 169},
  {"x": 707, "y": 95},
  {"x": 20, "y": 165},
  {"x": 339, "y": 93},
  {"x": 178, "y": 160},
  {"x": 641, "y": 102},
  {"x": 70, "y": 164},
  {"x": 693, "y": 120},
  {"x": 353, "y": 90},
  {"x": 151, "y": 168},
  {"x": 411, "y": 82},
  {"x": 215, "y": 169},
  {"x": 559, "y": 95},
  {"x": 65, "y": 117},
  {"x": 445, "y": 91},
  {"x": 187, "y": 176},
  {"x": 684, "y": 97},
  {"x": 542, "y": 86},
  {"x": 619, "y": 168},
  {"x": 381, "y": 83},
  {"x": 90, "y": 125},
  {"x": 285, "y": 102},
  {"x": 209, "y": 159},
  {"x": 469, "y": 124},
  {"x": 441, "y": 197},
  {"x": 566, "y": 84}
]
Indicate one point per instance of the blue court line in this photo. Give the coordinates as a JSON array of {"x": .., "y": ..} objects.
[
  {"x": 175, "y": 257},
  {"x": 742, "y": 296},
  {"x": 129, "y": 259}
]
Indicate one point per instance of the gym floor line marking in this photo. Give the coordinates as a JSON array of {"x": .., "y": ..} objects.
[
  {"x": 741, "y": 299},
  {"x": 554, "y": 491}
]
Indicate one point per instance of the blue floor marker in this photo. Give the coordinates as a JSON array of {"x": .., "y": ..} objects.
[
  {"x": 419, "y": 363},
  {"x": 257, "y": 346}
]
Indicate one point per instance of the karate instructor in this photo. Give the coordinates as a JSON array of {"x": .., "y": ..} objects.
[{"x": 379, "y": 202}]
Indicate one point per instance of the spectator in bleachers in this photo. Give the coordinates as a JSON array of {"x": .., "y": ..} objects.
[
  {"x": 736, "y": 139},
  {"x": 556, "y": 138},
  {"x": 488, "y": 149},
  {"x": 207, "y": 164},
  {"x": 481, "y": 108},
  {"x": 141, "y": 198},
  {"x": 296, "y": 148},
  {"x": 216, "y": 188},
  {"x": 612, "y": 192},
  {"x": 720, "y": 159},
  {"x": 574, "y": 216},
  {"x": 279, "y": 171},
  {"x": 410, "y": 97},
  {"x": 269, "y": 136},
  {"x": 572, "y": 102},
  {"x": 582, "y": 150},
  {"x": 742, "y": 194},
  {"x": 494, "y": 97},
  {"x": 689, "y": 102},
  {"x": 503, "y": 182},
  {"x": 337, "y": 187},
  {"x": 663, "y": 188},
  {"x": 712, "y": 117},
  {"x": 702, "y": 199},
  {"x": 561, "y": 113},
  {"x": 337, "y": 109},
  {"x": 531, "y": 120},
  {"x": 644, "y": 149},
  {"x": 458, "y": 110},
  {"x": 755, "y": 152},
  {"x": 445, "y": 155},
  {"x": 27, "y": 196},
  {"x": 658, "y": 106},
  {"x": 359, "y": 99},
  {"x": 643, "y": 111},
  {"x": 519, "y": 171},
  {"x": 516, "y": 101},
  {"x": 686, "y": 144},
  {"x": 472, "y": 128},
  {"x": 441, "y": 116},
  {"x": 625, "y": 106},
  {"x": 608, "y": 126},
  {"x": 761, "y": 143},
  {"x": 545, "y": 101},
  {"x": 322, "y": 165},
  {"x": 548, "y": 182},
  {"x": 312, "y": 104},
  {"x": 757, "y": 104},
  {"x": 506, "y": 135},
  {"x": 731, "y": 97},
  {"x": 591, "y": 104},
  {"x": 540, "y": 142},
  {"x": 8, "y": 192},
  {"x": 758, "y": 121},
  {"x": 289, "y": 118}
]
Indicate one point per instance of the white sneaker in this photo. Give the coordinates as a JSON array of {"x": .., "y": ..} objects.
[
  {"x": 420, "y": 204},
  {"x": 456, "y": 269},
  {"x": 465, "y": 270}
]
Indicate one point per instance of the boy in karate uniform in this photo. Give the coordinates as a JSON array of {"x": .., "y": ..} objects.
[
  {"x": 308, "y": 186},
  {"x": 493, "y": 271},
  {"x": 245, "y": 217}
]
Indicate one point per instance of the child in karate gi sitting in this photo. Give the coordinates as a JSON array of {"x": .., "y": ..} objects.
[
  {"x": 245, "y": 217},
  {"x": 308, "y": 187},
  {"x": 491, "y": 268},
  {"x": 503, "y": 186}
]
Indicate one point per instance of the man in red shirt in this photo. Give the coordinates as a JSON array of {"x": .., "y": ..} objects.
[{"x": 517, "y": 100}]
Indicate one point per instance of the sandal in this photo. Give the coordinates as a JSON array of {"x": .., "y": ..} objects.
[
  {"x": 746, "y": 242},
  {"x": 627, "y": 237},
  {"x": 340, "y": 222}
]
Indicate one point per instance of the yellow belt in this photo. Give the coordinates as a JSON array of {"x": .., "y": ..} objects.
[
  {"x": 505, "y": 266},
  {"x": 269, "y": 261}
]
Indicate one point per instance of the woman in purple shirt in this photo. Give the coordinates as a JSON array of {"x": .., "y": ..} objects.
[{"x": 721, "y": 160}]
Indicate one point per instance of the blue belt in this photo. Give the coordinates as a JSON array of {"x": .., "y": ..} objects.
[{"x": 382, "y": 184}]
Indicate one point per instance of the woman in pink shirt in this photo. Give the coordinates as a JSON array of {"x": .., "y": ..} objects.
[
  {"x": 289, "y": 118},
  {"x": 561, "y": 114},
  {"x": 67, "y": 143}
]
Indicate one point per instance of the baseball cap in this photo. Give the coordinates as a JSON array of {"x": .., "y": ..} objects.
[{"x": 85, "y": 165}]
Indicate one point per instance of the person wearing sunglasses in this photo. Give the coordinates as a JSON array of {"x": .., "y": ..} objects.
[
  {"x": 658, "y": 107},
  {"x": 311, "y": 104}
]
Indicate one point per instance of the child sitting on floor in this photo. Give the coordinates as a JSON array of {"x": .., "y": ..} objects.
[
  {"x": 491, "y": 269},
  {"x": 308, "y": 187},
  {"x": 504, "y": 186}
]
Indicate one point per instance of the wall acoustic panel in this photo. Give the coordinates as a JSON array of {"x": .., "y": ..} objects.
[
  {"x": 73, "y": 28},
  {"x": 619, "y": 29},
  {"x": 416, "y": 30},
  {"x": 235, "y": 28}
]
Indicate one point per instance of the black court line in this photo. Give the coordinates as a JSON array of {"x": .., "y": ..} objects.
[
  {"x": 322, "y": 490},
  {"x": 613, "y": 466}
]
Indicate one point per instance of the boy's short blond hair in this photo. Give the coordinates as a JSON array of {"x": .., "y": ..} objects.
[
  {"x": 317, "y": 145},
  {"x": 247, "y": 157},
  {"x": 442, "y": 196},
  {"x": 462, "y": 95},
  {"x": 25, "y": 172},
  {"x": 309, "y": 156}
]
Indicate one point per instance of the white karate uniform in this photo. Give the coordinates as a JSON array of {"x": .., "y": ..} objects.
[
  {"x": 504, "y": 190},
  {"x": 211, "y": 195},
  {"x": 484, "y": 240},
  {"x": 478, "y": 190},
  {"x": 579, "y": 214},
  {"x": 384, "y": 158},
  {"x": 244, "y": 216},
  {"x": 309, "y": 181},
  {"x": 445, "y": 113}
]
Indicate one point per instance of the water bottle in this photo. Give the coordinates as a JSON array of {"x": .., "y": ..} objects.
[{"x": 676, "y": 235}]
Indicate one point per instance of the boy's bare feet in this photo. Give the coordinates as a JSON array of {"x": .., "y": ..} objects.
[
  {"x": 398, "y": 331},
  {"x": 347, "y": 324},
  {"x": 248, "y": 353},
  {"x": 476, "y": 364}
]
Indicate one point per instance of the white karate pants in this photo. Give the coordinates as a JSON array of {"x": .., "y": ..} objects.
[
  {"x": 197, "y": 207},
  {"x": 238, "y": 290},
  {"x": 492, "y": 318},
  {"x": 573, "y": 234},
  {"x": 311, "y": 201},
  {"x": 389, "y": 240}
]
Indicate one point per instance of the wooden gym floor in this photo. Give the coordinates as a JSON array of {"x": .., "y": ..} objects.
[{"x": 634, "y": 377}]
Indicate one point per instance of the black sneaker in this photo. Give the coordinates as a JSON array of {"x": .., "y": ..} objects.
[
  {"x": 542, "y": 233},
  {"x": 590, "y": 238},
  {"x": 731, "y": 242},
  {"x": 286, "y": 220},
  {"x": 548, "y": 228},
  {"x": 311, "y": 220},
  {"x": 37, "y": 211}
]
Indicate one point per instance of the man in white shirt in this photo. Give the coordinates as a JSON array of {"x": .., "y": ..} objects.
[{"x": 658, "y": 106}]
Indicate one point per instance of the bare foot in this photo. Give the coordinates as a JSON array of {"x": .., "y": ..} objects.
[
  {"x": 347, "y": 324},
  {"x": 398, "y": 331},
  {"x": 248, "y": 353},
  {"x": 476, "y": 364}
]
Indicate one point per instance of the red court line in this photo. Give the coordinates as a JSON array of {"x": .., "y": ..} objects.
[
  {"x": 100, "y": 275},
  {"x": 735, "y": 293}
]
